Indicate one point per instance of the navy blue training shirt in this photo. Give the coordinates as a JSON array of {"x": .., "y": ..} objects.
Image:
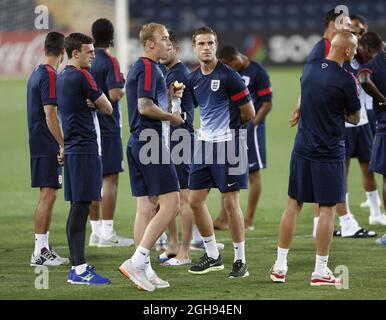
[
  {"x": 377, "y": 68},
  {"x": 145, "y": 80},
  {"x": 219, "y": 96},
  {"x": 79, "y": 122},
  {"x": 319, "y": 51},
  {"x": 257, "y": 80},
  {"x": 179, "y": 72},
  {"x": 327, "y": 93},
  {"x": 41, "y": 91},
  {"x": 106, "y": 72}
]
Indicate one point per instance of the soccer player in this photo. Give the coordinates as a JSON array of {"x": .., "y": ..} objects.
[
  {"x": 79, "y": 99},
  {"x": 348, "y": 223},
  {"x": 45, "y": 145},
  {"x": 259, "y": 86},
  {"x": 153, "y": 177},
  {"x": 328, "y": 98},
  {"x": 106, "y": 72},
  {"x": 358, "y": 144},
  {"x": 177, "y": 71},
  {"x": 225, "y": 105},
  {"x": 372, "y": 77}
]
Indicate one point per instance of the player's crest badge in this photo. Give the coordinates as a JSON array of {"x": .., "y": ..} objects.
[{"x": 215, "y": 85}]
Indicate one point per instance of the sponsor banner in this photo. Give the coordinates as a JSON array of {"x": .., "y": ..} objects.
[{"x": 20, "y": 52}]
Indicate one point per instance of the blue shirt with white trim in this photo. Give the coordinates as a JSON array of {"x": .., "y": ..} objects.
[{"x": 219, "y": 96}]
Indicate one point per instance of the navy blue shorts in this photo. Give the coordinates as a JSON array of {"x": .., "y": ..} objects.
[
  {"x": 112, "y": 155},
  {"x": 46, "y": 173},
  {"x": 378, "y": 155},
  {"x": 211, "y": 173},
  {"x": 359, "y": 142},
  {"x": 184, "y": 152},
  {"x": 317, "y": 182},
  {"x": 150, "y": 179},
  {"x": 256, "y": 146},
  {"x": 82, "y": 177}
]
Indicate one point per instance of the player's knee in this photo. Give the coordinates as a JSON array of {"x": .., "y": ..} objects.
[{"x": 48, "y": 195}]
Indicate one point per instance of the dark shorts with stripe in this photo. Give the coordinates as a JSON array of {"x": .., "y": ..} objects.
[
  {"x": 82, "y": 177},
  {"x": 182, "y": 150},
  {"x": 378, "y": 155},
  {"x": 211, "y": 173},
  {"x": 46, "y": 173},
  {"x": 256, "y": 146},
  {"x": 112, "y": 155},
  {"x": 359, "y": 142},
  {"x": 150, "y": 178},
  {"x": 317, "y": 182}
]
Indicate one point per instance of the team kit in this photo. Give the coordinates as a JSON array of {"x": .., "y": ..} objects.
[{"x": 75, "y": 124}]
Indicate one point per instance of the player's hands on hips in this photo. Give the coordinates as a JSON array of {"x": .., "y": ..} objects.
[
  {"x": 176, "y": 119},
  {"x": 295, "y": 115},
  {"x": 60, "y": 155}
]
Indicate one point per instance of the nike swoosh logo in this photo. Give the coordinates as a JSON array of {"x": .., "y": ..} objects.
[
  {"x": 194, "y": 88},
  {"x": 207, "y": 241},
  {"x": 88, "y": 277},
  {"x": 231, "y": 184},
  {"x": 252, "y": 164},
  {"x": 143, "y": 253}
]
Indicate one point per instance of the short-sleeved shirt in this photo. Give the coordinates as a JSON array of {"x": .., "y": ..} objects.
[
  {"x": 218, "y": 96},
  {"x": 377, "y": 69},
  {"x": 179, "y": 72},
  {"x": 257, "y": 80},
  {"x": 354, "y": 67},
  {"x": 79, "y": 122},
  {"x": 327, "y": 92},
  {"x": 145, "y": 80},
  {"x": 106, "y": 72},
  {"x": 41, "y": 91},
  {"x": 319, "y": 51}
]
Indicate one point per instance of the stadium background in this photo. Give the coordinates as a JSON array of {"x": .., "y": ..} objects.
[{"x": 278, "y": 34}]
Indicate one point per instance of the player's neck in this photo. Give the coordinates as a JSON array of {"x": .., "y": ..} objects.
[
  {"x": 150, "y": 56},
  {"x": 328, "y": 35},
  {"x": 208, "y": 67},
  {"x": 74, "y": 63},
  {"x": 52, "y": 61},
  {"x": 173, "y": 63},
  {"x": 336, "y": 57}
]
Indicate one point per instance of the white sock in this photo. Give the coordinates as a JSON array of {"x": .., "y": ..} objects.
[
  {"x": 211, "y": 247},
  {"x": 140, "y": 256},
  {"x": 316, "y": 220},
  {"x": 347, "y": 204},
  {"x": 196, "y": 236},
  {"x": 321, "y": 264},
  {"x": 40, "y": 243},
  {"x": 239, "y": 249},
  {"x": 372, "y": 197},
  {"x": 48, "y": 236},
  {"x": 81, "y": 268},
  {"x": 72, "y": 267},
  {"x": 148, "y": 268},
  {"x": 281, "y": 261},
  {"x": 107, "y": 228},
  {"x": 96, "y": 227}
]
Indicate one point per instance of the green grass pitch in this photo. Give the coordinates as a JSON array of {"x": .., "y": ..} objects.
[{"x": 364, "y": 260}]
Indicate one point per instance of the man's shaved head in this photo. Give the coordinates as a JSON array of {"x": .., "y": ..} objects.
[{"x": 344, "y": 43}]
